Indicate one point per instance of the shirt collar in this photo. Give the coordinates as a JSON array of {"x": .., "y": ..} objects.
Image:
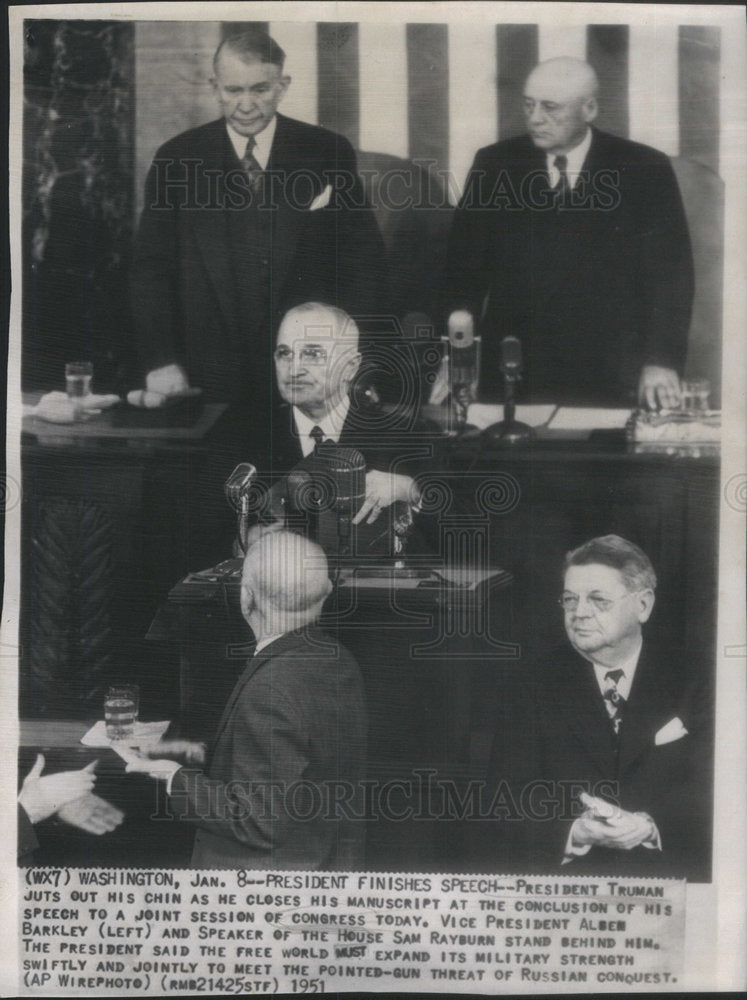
[
  {"x": 262, "y": 139},
  {"x": 575, "y": 157},
  {"x": 331, "y": 424},
  {"x": 628, "y": 668},
  {"x": 267, "y": 640}
]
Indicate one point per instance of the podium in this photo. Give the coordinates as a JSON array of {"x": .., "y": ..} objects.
[{"x": 416, "y": 631}]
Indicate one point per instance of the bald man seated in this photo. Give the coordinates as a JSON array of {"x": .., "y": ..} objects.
[
  {"x": 576, "y": 242},
  {"x": 281, "y": 785}
]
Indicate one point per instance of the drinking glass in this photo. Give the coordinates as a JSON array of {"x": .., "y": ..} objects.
[
  {"x": 78, "y": 375},
  {"x": 121, "y": 707}
]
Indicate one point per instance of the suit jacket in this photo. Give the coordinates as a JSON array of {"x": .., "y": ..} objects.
[
  {"x": 215, "y": 267},
  {"x": 594, "y": 290},
  {"x": 555, "y": 739},
  {"x": 27, "y": 840},
  {"x": 296, "y": 717}
]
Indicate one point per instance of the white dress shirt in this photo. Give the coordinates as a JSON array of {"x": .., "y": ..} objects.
[
  {"x": 575, "y": 158},
  {"x": 331, "y": 424},
  {"x": 262, "y": 139},
  {"x": 628, "y": 668}
]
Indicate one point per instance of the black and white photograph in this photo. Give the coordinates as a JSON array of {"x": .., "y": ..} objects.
[{"x": 375, "y": 565}]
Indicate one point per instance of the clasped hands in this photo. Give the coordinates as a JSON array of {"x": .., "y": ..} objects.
[
  {"x": 605, "y": 825},
  {"x": 164, "y": 758},
  {"x": 67, "y": 795}
]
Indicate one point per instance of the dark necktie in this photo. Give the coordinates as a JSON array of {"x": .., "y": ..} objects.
[
  {"x": 251, "y": 166},
  {"x": 614, "y": 701},
  {"x": 317, "y": 434},
  {"x": 563, "y": 187}
]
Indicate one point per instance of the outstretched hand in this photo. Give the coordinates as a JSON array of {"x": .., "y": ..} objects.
[
  {"x": 92, "y": 814},
  {"x": 43, "y": 796}
]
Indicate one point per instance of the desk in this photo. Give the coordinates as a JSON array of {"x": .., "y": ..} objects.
[
  {"x": 105, "y": 530},
  {"x": 141, "y": 840}
]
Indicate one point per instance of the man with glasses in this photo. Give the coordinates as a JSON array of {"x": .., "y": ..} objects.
[
  {"x": 316, "y": 362},
  {"x": 607, "y": 746},
  {"x": 576, "y": 242}
]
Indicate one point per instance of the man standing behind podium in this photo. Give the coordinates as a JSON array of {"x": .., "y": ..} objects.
[
  {"x": 283, "y": 781},
  {"x": 576, "y": 242},
  {"x": 244, "y": 217}
]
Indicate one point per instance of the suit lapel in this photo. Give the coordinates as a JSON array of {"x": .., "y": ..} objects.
[
  {"x": 289, "y": 213},
  {"x": 578, "y": 702},
  {"x": 647, "y": 704},
  {"x": 210, "y": 224},
  {"x": 562, "y": 263}
]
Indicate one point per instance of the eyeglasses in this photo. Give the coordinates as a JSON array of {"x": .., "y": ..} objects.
[
  {"x": 570, "y": 602},
  {"x": 310, "y": 354}
]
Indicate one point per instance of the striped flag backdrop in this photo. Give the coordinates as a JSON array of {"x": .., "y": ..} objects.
[{"x": 440, "y": 91}]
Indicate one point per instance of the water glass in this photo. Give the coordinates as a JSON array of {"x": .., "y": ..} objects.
[
  {"x": 121, "y": 708},
  {"x": 695, "y": 395},
  {"x": 78, "y": 375}
]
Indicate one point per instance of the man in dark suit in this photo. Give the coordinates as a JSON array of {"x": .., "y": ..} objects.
[
  {"x": 317, "y": 359},
  {"x": 576, "y": 242},
  {"x": 283, "y": 781},
  {"x": 244, "y": 217},
  {"x": 606, "y": 749}
]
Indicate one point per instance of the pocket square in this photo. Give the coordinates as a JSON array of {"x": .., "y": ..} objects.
[
  {"x": 321, "y": 200},
  {"x": 673, "y": 730}
]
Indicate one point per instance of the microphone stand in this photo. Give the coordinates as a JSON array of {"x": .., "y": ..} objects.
[{"x": 509, "y": 432}]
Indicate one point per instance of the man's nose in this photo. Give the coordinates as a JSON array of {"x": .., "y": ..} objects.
[
  {"x": 247, "y": 102},
  {"x": 536, "y": 115},
  {"x": 584, "y": 608}
]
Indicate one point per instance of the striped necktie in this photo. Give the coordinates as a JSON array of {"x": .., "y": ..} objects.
[
  {"x": 251, "y": 166},
  {"x": 563, "y": 187},
  {"x": 613, "y": 700}
]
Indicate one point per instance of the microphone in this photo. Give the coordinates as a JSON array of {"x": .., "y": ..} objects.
[
  {"x": 511, "y": 363},
  {"x": 236, "y": 490},
  {"x": 329, "y": 487},
  {"x": 509, "y": 431}
]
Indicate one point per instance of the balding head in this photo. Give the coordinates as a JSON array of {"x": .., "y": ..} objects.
[
  {"x": 316, "y": 357},
  {"x": 560, "y": 101},
  {"x": 285, "y": 582}
]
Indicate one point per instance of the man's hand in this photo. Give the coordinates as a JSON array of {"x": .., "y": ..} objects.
[
  {"x": 92, "y": 814},
  {"x": 183, "y": 750},
  {"x": 162, "y": 768},
  {"x": 382, "y": 490},
  {"x": 43, "y": 796},
  {"x": 659, "y": 388},
  {"x": 605, "y": 825},
  {"x": 168, "y": 381}
]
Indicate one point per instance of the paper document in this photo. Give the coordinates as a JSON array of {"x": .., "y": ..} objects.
[
  {"x": 581, "y": 418},
  {"x": 145, "y": 734}
]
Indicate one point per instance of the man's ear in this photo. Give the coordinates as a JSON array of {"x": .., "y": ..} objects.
[
  {"x": 285, "y": 82},
  {"x": 646, "y": 601},
  {"x": 590, "y": 109},
  {"x": 246, "y": 599},
  {"x": 352, "y": 364}
]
